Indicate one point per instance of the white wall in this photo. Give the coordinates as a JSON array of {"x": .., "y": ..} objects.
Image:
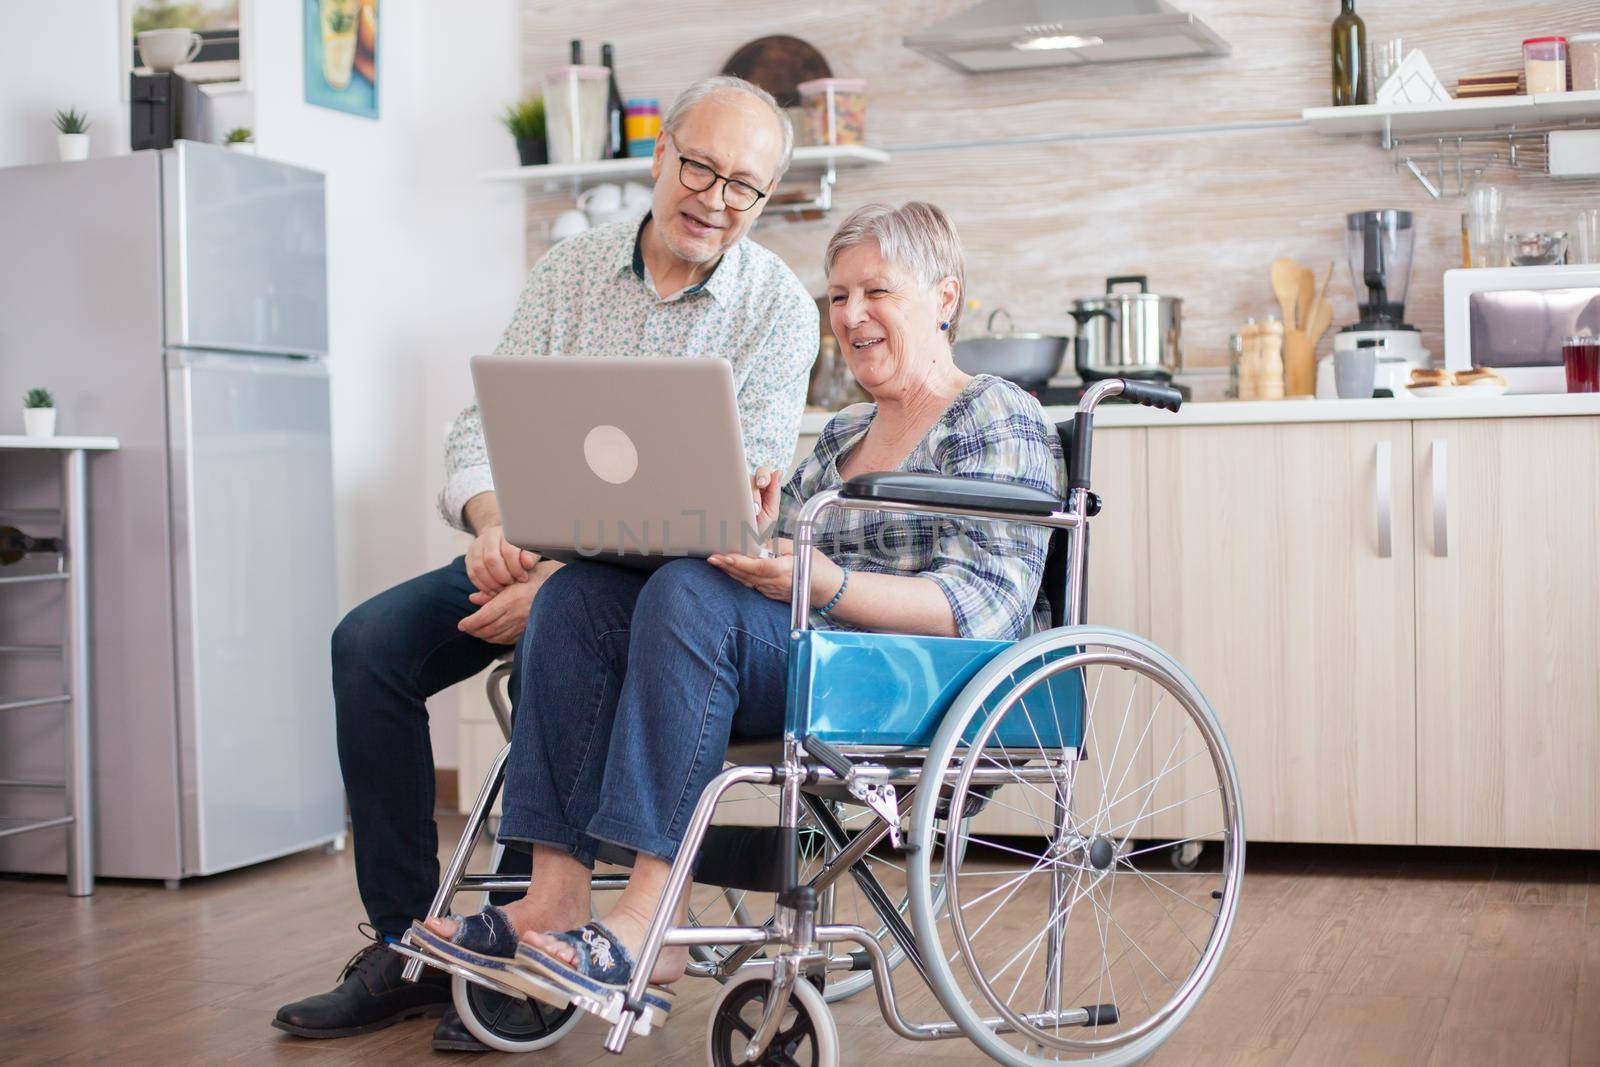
[
  {"x": 424, "y": 261},
  {"x": 56, "y": 55}
]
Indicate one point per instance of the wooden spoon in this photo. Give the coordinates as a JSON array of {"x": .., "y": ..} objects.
[
  {"x": 1322, "y": 294},
  {"x": 1286, "y": 286},
  {"x": 1321, "y": 315},
  {"x": 1303, "y": 300}
]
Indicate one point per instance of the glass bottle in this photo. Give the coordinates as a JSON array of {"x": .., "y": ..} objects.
[
  {"x": 1349, "y": 57},
  {"x": 16, "y": 545},
  {"x": 617, "y": 145}
]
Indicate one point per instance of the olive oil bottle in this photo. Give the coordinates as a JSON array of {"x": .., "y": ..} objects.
[{"x": 1349, "y": 57}]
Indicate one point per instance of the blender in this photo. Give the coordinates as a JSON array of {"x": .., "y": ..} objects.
[{"x": 1380, "y": 245}]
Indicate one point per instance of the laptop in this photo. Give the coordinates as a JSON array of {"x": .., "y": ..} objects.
[{"x": 634, "y": 460}]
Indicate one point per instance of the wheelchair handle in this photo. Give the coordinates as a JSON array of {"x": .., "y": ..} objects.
[{"x": 1147, "y": 394}]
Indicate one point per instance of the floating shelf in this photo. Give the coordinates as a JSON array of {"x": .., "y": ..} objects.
[
  {"x": 809, "y": 159},
  {"x": 1484, "y": 113}
]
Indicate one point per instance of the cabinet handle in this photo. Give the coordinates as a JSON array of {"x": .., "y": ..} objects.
[
  {"x": 1385, "y": 489},
  {"x": 1439, "y": 462}
]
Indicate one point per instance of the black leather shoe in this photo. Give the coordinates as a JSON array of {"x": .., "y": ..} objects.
[
  {"x": 452, "y": 1036},
  {"x": 370, "y": 996}
]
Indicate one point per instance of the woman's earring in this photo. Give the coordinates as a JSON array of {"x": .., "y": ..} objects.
[{"x": 944, "y": 326}]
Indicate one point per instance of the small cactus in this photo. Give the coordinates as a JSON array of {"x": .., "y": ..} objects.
[{"x": 38, "y": 398}]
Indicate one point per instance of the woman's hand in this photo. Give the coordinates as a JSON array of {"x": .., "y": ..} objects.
[
  {"x": 774, "y": 576},
  {"x": 767, "y": 486}
]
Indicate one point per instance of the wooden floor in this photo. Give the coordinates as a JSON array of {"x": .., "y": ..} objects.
[{"x": 1340, "y": 957}]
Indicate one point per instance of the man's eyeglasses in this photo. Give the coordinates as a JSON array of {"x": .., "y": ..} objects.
[{"x": 697, "y": 177}]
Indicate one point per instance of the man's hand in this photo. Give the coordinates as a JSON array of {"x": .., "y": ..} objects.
[
  {"x": 503, "y": 615},
  {"x": 494, "y": 564}
]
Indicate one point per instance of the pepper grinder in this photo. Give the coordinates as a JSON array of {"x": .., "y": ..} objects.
[
  {"x": 1270, "y": 381},
  {"x": 1250, "y": 360}
]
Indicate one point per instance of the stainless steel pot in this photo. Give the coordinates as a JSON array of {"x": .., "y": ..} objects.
[{"x": 1128, "y": 334}]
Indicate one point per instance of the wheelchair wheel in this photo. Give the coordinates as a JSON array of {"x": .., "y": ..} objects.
[
  {"x": 1099, "y": 741},
  {"x": 511, "y": 1024},
  {"x": 807, "y": 1036}
]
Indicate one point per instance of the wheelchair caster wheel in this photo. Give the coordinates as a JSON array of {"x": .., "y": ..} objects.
[
  {"x": 1186, "y": 857},
  {"x": 511, "y": 1024},
  {"x": 807, "y": 1036}
]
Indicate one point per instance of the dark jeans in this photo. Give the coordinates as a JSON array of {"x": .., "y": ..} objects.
[
  {"x": 389, "y": 655},
  {"x": 633, "y": 685}
]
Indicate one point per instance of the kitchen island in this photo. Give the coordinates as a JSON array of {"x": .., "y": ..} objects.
[{"x": 1393, "y": 605}]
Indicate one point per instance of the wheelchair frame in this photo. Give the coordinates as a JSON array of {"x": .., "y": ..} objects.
[{"x": 809, "y": 762}]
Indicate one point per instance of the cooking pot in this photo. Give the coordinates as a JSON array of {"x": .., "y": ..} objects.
[{"x": 1128, "y": 335}]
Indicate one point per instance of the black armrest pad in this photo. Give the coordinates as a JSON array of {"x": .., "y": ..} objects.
[{"x": 940, "y": 490}]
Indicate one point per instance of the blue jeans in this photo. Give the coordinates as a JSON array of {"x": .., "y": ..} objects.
[
  {"x": 389, "y": 655},
  {"x": 633, "y": 684}
]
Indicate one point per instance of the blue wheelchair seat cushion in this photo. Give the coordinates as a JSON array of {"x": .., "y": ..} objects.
[{"x": 853, "y": 688}]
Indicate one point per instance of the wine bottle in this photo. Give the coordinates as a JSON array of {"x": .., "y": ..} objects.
[
  {"x": 619, "y": 146},
  {"x": 14, "y": 545},
  {"x": 577, "y": 53},
  {"x": 1349, "y": 57}
]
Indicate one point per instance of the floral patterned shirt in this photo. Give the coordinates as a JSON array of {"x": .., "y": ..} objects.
[
  {"x": 591, "y": 295},
  {"x": 989, "y": 571}
]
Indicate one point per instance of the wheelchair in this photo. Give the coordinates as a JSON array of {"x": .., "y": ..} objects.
[{"x": 1058, "y": 933}]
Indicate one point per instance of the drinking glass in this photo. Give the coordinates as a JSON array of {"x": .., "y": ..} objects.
[
  {"x": 1581, "y": 354},
  {"x": 1585, "y": 246},
  {"x": 1486, "y": 235},
  {"x": 1385, "y": 61}
]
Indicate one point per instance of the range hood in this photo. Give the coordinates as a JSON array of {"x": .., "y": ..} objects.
[{"x": 1001, "y": 35}]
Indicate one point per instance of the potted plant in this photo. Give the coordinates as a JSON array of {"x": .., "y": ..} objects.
[
  {"x": 73, "y": 139},
  {"x": 38, "y": 413},
  {"x": 240, "y": 139},
  {"x": 525, "y": 120}
]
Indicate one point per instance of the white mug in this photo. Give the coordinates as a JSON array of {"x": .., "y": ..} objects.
[
  {"x": 635, "y": 195},
  {"x": 604, "y": 199},
  {"x": 162, "y": 50},
  {"x": 568, "y": 224}
]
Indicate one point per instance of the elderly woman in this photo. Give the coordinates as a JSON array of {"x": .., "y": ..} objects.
[{"x": 635, "y": 683}]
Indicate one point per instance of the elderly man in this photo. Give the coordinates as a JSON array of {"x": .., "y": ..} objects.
[{"x": 682, "y": 281}]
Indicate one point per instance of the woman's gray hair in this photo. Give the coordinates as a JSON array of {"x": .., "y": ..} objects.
[
  {"x": 709, "y": 87},
  {"x": 917, "y": 236}
]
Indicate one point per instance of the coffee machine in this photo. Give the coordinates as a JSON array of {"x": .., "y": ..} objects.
[{"x": 1380, "y": 245}]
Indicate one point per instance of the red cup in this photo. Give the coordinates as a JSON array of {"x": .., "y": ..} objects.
[{"x": 1582, "y": 358}]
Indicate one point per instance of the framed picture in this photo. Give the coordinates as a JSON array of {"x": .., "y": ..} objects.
[
  {"x": 341, "y": 55},
  {"x": 224, "y": 53}
]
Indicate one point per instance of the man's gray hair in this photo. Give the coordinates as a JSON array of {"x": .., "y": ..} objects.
[
  {"x": 917, "y": 236},
  {"x": 709, "y": 87}
]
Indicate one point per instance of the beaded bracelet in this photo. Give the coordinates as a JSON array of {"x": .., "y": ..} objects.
[{"x": 842, "y": 587}]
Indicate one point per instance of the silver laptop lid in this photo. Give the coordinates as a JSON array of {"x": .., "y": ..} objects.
[{"x": 599, "y": 456}]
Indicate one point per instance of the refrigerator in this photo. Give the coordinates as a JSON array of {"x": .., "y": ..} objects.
[{"x": 177, "y": 300}]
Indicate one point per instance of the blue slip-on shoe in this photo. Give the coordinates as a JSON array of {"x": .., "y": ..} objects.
[
  {"x": 487, "y": 943},
  {"x": 604, "y": 967}
]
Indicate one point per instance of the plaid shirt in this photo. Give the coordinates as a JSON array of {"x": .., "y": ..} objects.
[{"x": 989, "y": 571}]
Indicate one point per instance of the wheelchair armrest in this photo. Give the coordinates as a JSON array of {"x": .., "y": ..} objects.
[{"x": 940, "y": 490}]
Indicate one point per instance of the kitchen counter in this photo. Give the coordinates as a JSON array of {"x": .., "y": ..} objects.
[{"x": 1291, "y": 411}]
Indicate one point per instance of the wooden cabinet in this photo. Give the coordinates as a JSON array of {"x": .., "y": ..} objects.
[
  {"x": 1440, "y": 685},
  {"x": 1273, "y": 584},
  {"x": 1508, "y": 632}
]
